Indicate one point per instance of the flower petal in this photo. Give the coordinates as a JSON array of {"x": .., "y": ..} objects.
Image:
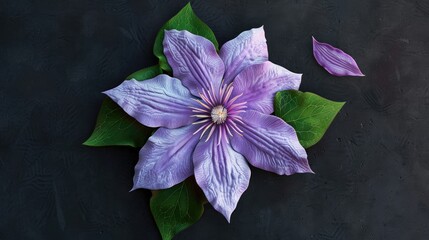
[
  {"x": 222, "y": 174},
  {"x": 334, "y": 60},
  {"x": 166, "y": 158},
  {"x": 271, "y": 144},
  {"x": 194, "y": 60},
  {"x": 259, "y": 83},
  {"x": 159, "y": 102},
  {"x": 248, "y": 48}
]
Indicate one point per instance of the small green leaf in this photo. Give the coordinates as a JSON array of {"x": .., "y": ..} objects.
[
  {"x": 309, "y": 114},
  {"x": 145, "y": 73},
  {"x": 183, "y": 20},
  {"x": 115, "y": 127},
  {"x": 177, "y": 208}
]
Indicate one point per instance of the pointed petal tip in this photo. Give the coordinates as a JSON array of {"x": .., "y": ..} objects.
[
  {"x": 228, "y": 218},
  {"x": 310, "y": 171},
  {"x": 133, "y": 188},
  {"x": 314, "y": 42},
  {"x": 135, "y": 181},
  {"x": 305, "y": 169},
  {"x": 110, "y": 93},
  {"x": 261, "y": 31},
  {"x": 226, "y": 213}
]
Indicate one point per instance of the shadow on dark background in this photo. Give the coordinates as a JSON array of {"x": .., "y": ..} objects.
[{"x": 372, "y": 167}]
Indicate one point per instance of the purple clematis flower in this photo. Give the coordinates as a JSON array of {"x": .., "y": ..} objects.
[{"x": 214, "y": 118}]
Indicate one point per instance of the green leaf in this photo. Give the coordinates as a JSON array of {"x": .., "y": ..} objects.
[
  {"x": 177, "y": 208},
  {"x": 309, "y": 114},
  {"x": 146, "y": 73},
  {"x": 115, "y": 127},
  {"x": 183, "y": 20}
]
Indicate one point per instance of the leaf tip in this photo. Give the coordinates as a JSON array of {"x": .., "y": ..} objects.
[
  {"x": 187, "y": 7},
  {"x": 340, "y": 105},
  {"x": 88, "y": 142}
]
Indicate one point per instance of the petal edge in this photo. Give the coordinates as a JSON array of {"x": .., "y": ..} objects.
[{"x": 269, "y": 143}]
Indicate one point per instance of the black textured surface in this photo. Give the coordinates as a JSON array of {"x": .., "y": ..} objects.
[{"x": 372, "y": 165}]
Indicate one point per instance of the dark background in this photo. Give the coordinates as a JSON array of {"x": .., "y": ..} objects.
[{"x": 372, "y": 166}]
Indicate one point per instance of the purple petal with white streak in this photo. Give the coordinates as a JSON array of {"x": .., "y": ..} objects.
[
  {"x": 158, "y": 102},
  {"x": 222, "y": 174},
  {"x": 166, "y": 158},
  {"x": 248, "y": 48},
  {"x": 334, "y": 60},
  {"x": 271, "y": 144},
  {"x": 259, "y": 83},
  {"x": 194, "y": 60}
]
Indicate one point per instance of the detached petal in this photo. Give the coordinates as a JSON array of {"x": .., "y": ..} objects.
[
  {"x": 271, "y": 144},
  {"x": 248, "y": 48},
  {"x": 334, "y": 60},
  {"x": 194, "y": 60},
  {"x": 159, "y": 102},
  {"x": 259, "y": 83},
  {"x": 166, "y": 158},
  {"x": 222, "y": 174}
]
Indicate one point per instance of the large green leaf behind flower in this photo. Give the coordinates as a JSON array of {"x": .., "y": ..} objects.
[
  {"x": 183, "y": 20},
  {"x": 177, "y": 208},
  {"x": 115, "y": 127},
  {"x": 309, "y": 114}
]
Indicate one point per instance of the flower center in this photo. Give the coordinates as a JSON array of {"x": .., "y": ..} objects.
[{"x": 219, "y": 114}]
